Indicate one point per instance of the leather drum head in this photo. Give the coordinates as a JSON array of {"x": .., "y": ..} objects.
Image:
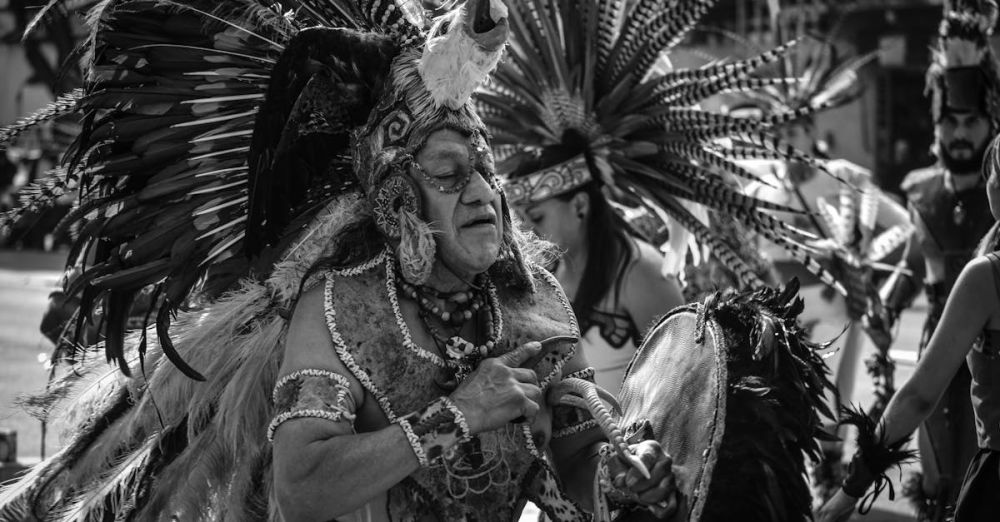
[{"x": 679, "y": 386}]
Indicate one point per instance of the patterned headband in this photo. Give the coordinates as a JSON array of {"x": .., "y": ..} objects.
[{"x": 549, "y": 182}]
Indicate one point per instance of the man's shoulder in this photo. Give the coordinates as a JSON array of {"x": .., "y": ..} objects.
[
  {"x": 923, "y": 183},
  {"x": 922, "y": 178}
]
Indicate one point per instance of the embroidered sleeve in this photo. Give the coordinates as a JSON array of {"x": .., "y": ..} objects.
[
  {"x": 312, "y": 393},
  {"x": 434, "y": 429},
  {"x": 568, "y": 420}
]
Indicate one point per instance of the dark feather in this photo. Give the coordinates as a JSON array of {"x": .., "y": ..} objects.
[{"x": 312, "y": 56}]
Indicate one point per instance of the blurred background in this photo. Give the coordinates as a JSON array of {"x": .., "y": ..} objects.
[{"x": 887, "y": 130}]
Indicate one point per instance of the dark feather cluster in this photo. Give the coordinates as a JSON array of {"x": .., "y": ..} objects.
[
  {"x": 322, "y": 87},
  {"x": 776, "y": 387},
  {"x": 874, "y": 449}
]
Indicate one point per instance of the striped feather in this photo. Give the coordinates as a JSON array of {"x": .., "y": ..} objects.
[{"x": 887, "y": 242}]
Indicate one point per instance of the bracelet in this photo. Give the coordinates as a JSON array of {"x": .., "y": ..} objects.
[
  {"x": 873, "y": 459},
  {"x": 434, "y": 430},
  {"x": 415, "y": 444},
  {"x": 859, "y": 477}
]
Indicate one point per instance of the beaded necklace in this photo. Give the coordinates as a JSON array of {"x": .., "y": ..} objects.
[
  {"x": 460, "y": 357},
  {"x": 464, "y": 304}
]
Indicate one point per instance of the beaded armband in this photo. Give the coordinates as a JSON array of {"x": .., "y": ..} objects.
[
  {"x": 311, "y": 393},
  {"x": 434, "y": 429},
  {"x": 569, "y": 420}
]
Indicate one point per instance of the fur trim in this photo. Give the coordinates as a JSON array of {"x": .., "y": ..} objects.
[{"x": 416, "y": 248}]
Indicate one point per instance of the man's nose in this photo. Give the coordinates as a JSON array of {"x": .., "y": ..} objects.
[{"x": 478, "y": 190}]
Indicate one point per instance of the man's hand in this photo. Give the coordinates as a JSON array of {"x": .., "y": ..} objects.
[
  {"x": 659, "y": 492},
  {"x": 500, "y": 390},
  {"x": 837, "y": 509}
]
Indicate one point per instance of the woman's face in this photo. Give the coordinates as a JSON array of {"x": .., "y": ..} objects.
[{"x": 557, "y": 221}]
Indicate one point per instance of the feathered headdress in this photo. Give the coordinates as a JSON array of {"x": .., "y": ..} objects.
[
  {"x": 813, "y": 75},
  {"x": 585, "y": 96},
  {"x": 964, "y": 74},
  {"x": 215, "y": 132},
  {"x": 227, "y": 147}
]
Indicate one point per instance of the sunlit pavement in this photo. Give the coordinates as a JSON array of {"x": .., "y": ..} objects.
[{"x": 26, "y": 278}]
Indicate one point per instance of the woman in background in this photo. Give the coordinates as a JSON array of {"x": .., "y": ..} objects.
[
  {"x": 611, "y": 275},
  {"x": 969, "y": 332}
]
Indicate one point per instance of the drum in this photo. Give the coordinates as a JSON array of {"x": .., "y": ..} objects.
[{"x": 733, "y": 391}]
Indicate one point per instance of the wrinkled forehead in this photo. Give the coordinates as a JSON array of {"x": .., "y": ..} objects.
[{"x": 448, "y": 143}]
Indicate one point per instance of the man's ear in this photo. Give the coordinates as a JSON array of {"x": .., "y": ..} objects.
[{"x": 580, "y": 204}]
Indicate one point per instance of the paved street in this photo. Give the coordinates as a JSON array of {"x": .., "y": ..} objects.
[{"x": 26, "y": 278}]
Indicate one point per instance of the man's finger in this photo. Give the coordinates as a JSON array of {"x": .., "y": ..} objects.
[
  {"x": 525, "y": 375},
  {"x": 531, "y": 392},
  {"x": 517, "y": 356},
  {"x": 654, "y": 495}
]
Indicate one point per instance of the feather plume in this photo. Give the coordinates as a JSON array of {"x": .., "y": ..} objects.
[
  {"x": 65, "y": 104},
  {"x": 564, "y": 92}
]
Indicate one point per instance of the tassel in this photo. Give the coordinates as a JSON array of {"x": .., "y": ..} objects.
[{"x": 416, "y": 248}]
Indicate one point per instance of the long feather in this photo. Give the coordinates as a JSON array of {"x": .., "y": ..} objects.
[
  {"x": 65, "y": 104},
  {"x": 109, "y": 493}
]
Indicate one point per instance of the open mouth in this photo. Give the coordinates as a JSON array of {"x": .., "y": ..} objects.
[
  {"x": 482, "y": 21},
  {"x": 487, "y": 22},
  {"x": 482, "y": 221}
]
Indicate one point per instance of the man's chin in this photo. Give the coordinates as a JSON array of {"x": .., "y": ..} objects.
[
  {"x": 971, "y": 164},
  {"x": 477, "y": 258},
  {"x": 962, "y": 166}
]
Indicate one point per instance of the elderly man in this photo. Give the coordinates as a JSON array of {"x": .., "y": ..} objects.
[
  {"x": 425, "y": 428},
  {"x": 389, "y": 364}
]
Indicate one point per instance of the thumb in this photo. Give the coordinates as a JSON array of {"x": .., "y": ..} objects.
[{"x": 519, "y": 355}]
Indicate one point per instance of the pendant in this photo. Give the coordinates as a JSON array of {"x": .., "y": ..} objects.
[
  {"x": 958, "y": 214},
  {"x": 458, "y": 348}
]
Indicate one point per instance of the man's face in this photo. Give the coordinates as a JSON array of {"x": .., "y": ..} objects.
[
  {"x": 467, "y": 223},
  {"x": 962, "y": 139}
]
